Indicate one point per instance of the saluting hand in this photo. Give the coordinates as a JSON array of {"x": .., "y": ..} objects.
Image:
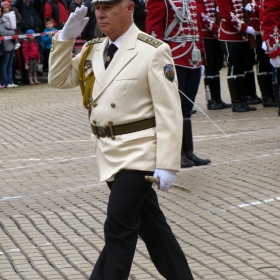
[{"x": 74, "y": 25}]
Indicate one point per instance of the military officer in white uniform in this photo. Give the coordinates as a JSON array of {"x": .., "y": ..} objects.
[{"x": 136, "y": 120}]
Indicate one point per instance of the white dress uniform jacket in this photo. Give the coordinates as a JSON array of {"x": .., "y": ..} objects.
[{"x": 134, "y": 87}]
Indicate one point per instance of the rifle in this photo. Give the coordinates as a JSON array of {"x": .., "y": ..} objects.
[{"x": 250, "y": 37}]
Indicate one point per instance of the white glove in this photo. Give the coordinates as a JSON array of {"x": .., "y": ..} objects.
[
  {"x": 217, "y": 9},
  {"x": 264, "y": 46},
  {"x": 166, "y": 178},
  {"x": 248, "y": 7},
  {"x": 250, "y": 30},
  {"x": 202, "y": 69},
  {"x": 74, "y": 25},
  {"x": 275, "y": 62}
]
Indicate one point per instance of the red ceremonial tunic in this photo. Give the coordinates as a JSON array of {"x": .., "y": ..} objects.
[
  {"x": 271, "y": 26},
  {"x": 159, "y": 17},
  {"x": 63, "y": 12},
  {"x": 255, "y": 16},
  {"x": 232, "y": 27},
  {"x": 207, "y": 11}
]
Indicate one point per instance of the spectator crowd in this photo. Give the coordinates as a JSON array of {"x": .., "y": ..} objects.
[{"x": 39, "y": 16}]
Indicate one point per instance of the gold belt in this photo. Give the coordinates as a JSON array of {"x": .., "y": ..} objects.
[{"x": 113, "y": 130}]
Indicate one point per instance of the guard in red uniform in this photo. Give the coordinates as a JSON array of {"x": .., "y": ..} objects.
[
  {"x": 271, "y": 36},
  {"x": 214, "y": 53},
  {"x": 177, "y": 23},
  {"x": 240, "y": 58},
  {"x": 264, "y": 68}
]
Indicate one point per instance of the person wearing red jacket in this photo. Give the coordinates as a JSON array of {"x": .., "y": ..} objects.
[
  {"x": 264, "y": 68},
  {"x": 57, "y": 10},
  {"x": 240, "y": 58},
  {"x": 31, "y": 55},
  {"x": 214, "y": 53},
  {"x": 178, "y": 24},
  {"x": 271, "y": 36}
]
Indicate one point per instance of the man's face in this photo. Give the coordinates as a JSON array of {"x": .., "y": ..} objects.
[{"x": 114, "y": 18}]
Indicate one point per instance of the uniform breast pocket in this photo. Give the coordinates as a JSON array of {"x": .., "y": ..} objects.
[{"x": 123, "y": 77}]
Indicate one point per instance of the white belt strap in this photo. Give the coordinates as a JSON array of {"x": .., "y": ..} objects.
[{"x": 167, "y": 32}]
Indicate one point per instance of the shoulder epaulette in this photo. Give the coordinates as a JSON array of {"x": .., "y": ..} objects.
[
  {"x": 96, "y": 40},
  {"x": 149, "y": 40}
]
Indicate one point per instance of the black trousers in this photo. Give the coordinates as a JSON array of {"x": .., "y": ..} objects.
[
  {"x": 240, "y": 57},
  {"x": 263, "y": 60},
  {"x": 215, "y": 57},
  {"x": 133, "y": 210},
  {"x": 188, "y": 83}
]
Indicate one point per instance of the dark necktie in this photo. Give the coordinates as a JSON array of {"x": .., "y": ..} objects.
[{"x": 110, "y": 54}]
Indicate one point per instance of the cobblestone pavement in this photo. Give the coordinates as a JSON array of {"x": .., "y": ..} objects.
[{"x": 52, "y": 206}]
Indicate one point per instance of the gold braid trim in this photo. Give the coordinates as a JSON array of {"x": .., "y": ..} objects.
[{"x": 86, "y": 82}]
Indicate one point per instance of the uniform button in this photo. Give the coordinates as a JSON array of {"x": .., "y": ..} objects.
[
  {"x": 110, "y": 123},
  {"x": 94, "y": 122},
  {"x": 113, "y": 105},
  {"x": 94, "y": 104}
]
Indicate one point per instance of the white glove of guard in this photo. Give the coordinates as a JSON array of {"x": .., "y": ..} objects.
[
  {"x": 202, "y": 69},
  {"x": 264, "y": 46},
  {"x": 275, "y": 62},
  {"x": 250, "y": 30},
  {"x": 74, "y": 25},
  {"x": 166, "y": 178},
  {"x": 248, "y": 7}
]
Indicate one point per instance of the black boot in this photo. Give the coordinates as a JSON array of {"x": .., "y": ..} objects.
[
  {"x": 212, "y": 104},
  {"x": 277, "y": 97},
  {"x": 187, "y": 144},
  {"x": 236, "y": 98},
  {"x": 185, "y": 162},
  {"x": 241, "y": 88},
  {"x": 219, "y": 100},
  {"x": 250, "y": 89},
  {"x": 265, "y": 84}
]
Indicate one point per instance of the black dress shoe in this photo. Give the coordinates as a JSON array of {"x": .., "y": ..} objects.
[
  {"x": 269, "y": 102},
  {"x": 225, "y": 105},
  {"x": 185, "y": 162},
  {"x": 213, "y": 105},
  {"x": 249, "y": 107},
  {"x": 253, "y": 100},
  {"x": 197, "y": 161},
  {"x": 193, "y": 112},
  {"x": 239, "y": 108}
]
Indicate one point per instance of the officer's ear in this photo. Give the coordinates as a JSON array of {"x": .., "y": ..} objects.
[{"x": 130, "y": 7}]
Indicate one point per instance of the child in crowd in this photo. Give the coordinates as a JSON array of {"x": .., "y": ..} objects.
[
  {"x": 47, "y": 40},
  {"x": 31, "y": 55},
  {"x": 9, "y": 19}
]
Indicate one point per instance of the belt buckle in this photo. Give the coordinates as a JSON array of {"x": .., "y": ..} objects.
[{"x": 101, "y": 131}]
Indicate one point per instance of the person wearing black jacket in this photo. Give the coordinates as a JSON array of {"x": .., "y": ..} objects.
[
  {"x": 140, "y": 14},
  {"x": 75, "y": 4},
  {"x": 89, "y": 31},
  {"x": 30, "y": 16}
]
